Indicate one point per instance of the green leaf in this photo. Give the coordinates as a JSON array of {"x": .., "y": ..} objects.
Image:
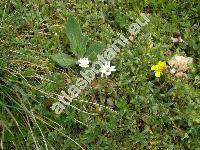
[
  {"x": 17, "y": 3},
  {"x": 78, "y": 41},
  {"x": 94, "y": 50},
  {"x": 84, "y": 41},
  {"x": 63, "y": 60}
]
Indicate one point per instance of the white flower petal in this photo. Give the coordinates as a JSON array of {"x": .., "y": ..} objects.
[
  {"x": 83, "y": 62},
  {"x": 173, "y": 71},
  {"x": 107, "y": 69},
  {"x": 174, "y": 40}
]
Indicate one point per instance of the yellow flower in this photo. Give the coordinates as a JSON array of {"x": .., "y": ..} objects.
[{"x": 158, "y": 68}]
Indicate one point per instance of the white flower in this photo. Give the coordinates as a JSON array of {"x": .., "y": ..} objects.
[
  {"x": 83, "y": 62},
  {"x": 176, "y": 39},
  {"x": 180, "y": 40},
  {"x": 107, "y": 69},
  {"x": 173, "y": 71}
]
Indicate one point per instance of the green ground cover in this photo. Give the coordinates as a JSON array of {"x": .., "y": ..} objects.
[{"x": 138, "y": 110}]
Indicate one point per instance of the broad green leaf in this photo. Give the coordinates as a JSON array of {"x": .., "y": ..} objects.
[
  {"x": 94, "y": 50},
  {"x": 84, "y": 41},
  {"x": 78, "y": 41},
  {"x": 63, "y": 60}
]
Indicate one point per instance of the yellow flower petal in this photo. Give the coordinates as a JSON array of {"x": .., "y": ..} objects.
[
  {"x": 161, "y": 65},
  {"x": 157, "y": 74},
  {"x": 154, "y": 67},
  {"x": 158, "y": 68}
]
